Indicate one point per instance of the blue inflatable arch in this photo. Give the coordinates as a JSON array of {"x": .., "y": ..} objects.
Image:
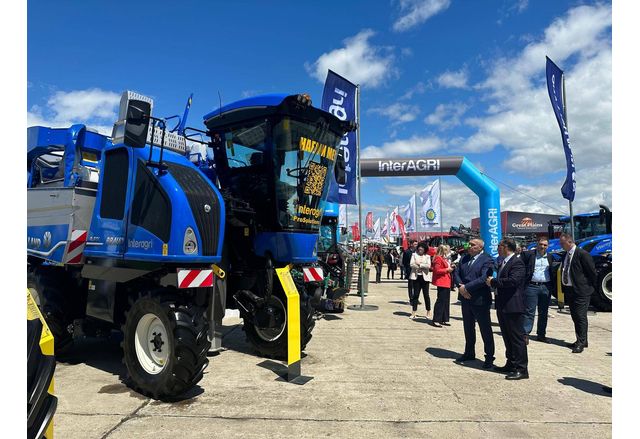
[{"x": 487, "y": 192}]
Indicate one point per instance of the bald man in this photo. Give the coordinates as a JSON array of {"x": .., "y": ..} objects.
[{"x": 474, "y": 294}]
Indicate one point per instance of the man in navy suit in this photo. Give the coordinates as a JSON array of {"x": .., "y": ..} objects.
[
  {"x": 510, "y": 307},
  {"x": 469, "y": 277}
]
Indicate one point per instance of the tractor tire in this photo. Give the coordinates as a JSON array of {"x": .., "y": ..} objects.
[
  {"x": 41, "y": 405},
  {"x": 50, "y": 291},
  {"x": 273, "y": 342},
  {"x": 603, "y": 297},
  {"x": 165, "y": 345}
]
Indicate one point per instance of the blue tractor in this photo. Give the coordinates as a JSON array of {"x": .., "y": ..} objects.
[
  {"x": 593, "y": 234},
  {"x": 126, "y": 232}
]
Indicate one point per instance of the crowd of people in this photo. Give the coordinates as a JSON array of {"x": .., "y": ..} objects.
[{"x": 518, "y": 283}]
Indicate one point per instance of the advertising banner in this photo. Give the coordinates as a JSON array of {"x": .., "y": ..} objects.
[
  {"x": 430, "y": 215},
  {"x": 385, "y": 227},
  {"x": 369, "y": 222},
  {"x": 376, "y": 230},
  {"x": 393, "y": 223},
  {"x": 405, "y": 242},
  {"x": 342, "y": 215},
  {"x": 339, "y": 99},
  {"x": 409, "y": 215},
  {"x": 355, "y": 231},
  {"x": 555, "y": 81}
]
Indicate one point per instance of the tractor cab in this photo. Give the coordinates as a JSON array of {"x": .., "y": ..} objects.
[{"x": 278, "y": 154}]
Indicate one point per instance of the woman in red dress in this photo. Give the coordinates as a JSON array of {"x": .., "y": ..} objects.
[{"x": 442, "y": 280}]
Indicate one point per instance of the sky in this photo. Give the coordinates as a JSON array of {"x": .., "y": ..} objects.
[{"x": 437, "y": 77}]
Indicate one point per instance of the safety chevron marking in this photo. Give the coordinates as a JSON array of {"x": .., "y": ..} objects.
[
  {"x": 313, "y": 274},
  {"x": 76, "y": 246},
  {"x": 195, "y": 278}
]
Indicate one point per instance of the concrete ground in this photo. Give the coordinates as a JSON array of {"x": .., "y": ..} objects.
[{"x": 375, "y": 374}]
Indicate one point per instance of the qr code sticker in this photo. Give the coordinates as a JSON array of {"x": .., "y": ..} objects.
[{"x": 315, "y": 180}]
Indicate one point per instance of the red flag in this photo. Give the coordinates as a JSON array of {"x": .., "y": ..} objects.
[
  {"x": 405, "y": 242},
  {"x": 369, "y": 222},
  {"x": 355, "y": 231}
]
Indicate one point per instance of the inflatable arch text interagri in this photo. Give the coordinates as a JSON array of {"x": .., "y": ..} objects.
[{"x": 487, "y": 192}]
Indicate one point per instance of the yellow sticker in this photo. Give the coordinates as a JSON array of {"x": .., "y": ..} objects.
[
  {"x": 246, "y": 231},
  {"x": 165, "y": 249}
]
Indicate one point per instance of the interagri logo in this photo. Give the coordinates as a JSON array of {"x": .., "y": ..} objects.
[{"x": 526, "y": 223}]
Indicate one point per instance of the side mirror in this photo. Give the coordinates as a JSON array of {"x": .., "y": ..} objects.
[
  {"x": 137, "y": 123},
  {"x": 340, "y": 169}
]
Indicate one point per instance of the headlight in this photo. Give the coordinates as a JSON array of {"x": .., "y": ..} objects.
[{"x": 189, "y": 244}]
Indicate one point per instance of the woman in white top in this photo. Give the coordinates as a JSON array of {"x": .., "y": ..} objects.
[{"x": 421, "y": 276}]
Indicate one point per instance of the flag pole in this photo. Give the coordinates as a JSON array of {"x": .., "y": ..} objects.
[
  {"x": 441, "y": 220},
  {"x": 566, "y": 124},
  {"x": 360, "y": 198}
]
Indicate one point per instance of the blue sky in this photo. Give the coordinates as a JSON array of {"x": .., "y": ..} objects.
[{"x": 438, "y": 77}]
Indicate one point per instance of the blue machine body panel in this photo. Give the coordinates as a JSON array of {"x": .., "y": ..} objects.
[
  {"x": 119, "y": 238},
  {"x": 267, "y": 100},
  {"x": 287, "y": 247},
  {"x": 112, "y": 238}
]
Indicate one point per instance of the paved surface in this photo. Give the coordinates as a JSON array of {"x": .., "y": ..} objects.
[{"x": 375, "y": 374}]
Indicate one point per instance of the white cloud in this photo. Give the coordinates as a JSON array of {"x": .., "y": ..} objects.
[
  {"x": 415, "y": 12},
  {"x": 93, "y": 107},
  {"x": 457, "y": 79},
  {"x": 413, "y": 146},
  {"x": 398, "y": 113},
  {"x": 358, "y": 61},
  {"x": 446, "y": 115},
  {"x": 521, "y": 118},
  {"x": 417, "y": 89}
]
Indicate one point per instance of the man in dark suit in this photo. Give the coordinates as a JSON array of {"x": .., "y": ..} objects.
[
  {"x": 539, "y": 286},
  {"x": 475, "y": 296},
  {"x": 578, "y": 282},
  {"x": 510, "y": 293}
]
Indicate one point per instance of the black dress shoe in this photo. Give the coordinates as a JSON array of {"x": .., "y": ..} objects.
[
  {"x": 518, "y": 375},
  {"x": 573, "y": 345},
  {"x": 464, "y": 358},
  {"x": 578, "y": 348},
  {"x": 488, "y": 364},
  {"x": 507, "y": 368}
]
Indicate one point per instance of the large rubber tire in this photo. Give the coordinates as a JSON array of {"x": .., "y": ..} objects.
[
  {"x": 602, "y": 298},
  {"x": 185, "y": 341},
  {"x": 50, "y": 285},
  {"x": 41, "y": 405},
  {"x": 278, "y": 347}
]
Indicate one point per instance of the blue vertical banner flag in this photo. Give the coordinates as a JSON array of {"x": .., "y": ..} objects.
[
  {"x": 339, "y": 99},
  {"x": 555, "y": 80}
]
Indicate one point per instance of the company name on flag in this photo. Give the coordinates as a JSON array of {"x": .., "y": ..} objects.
[
  {"x": 555, "y": 79},
  {"x": 430, "y": 210},
  {"x": 339, "y": 99}
]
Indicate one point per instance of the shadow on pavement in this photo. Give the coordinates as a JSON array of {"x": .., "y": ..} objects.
[
  {"x": 399, "y": 302},
  {"x": 275, "y": 367},
  {"x": 584, "y": 385},
  {"x": 401, "y": 313},
  {"x": 442, "y": 353},
  {"x": 331, "y": 317}
]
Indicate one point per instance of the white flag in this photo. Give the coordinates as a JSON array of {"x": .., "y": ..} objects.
[
  {"x": 409, "y": 215},
  {"x": 376, "y": 230},
  {"x": 430, "y": 215},
  {"x": 342, "y": 216},
  {"x": 393, "y": 223},
  {"x": 385, "y": 227}
]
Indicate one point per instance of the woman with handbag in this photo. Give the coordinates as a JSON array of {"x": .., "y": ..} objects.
[
  {"x": 421, "y": 276},
  {"x": 442, "y": 280}
]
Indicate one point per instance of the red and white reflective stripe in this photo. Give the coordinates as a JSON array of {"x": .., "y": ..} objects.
[
  {"x": 313, "y": 274},
  {"x": 76, "y": 246},
  {"x": 195, "y": 278}
]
